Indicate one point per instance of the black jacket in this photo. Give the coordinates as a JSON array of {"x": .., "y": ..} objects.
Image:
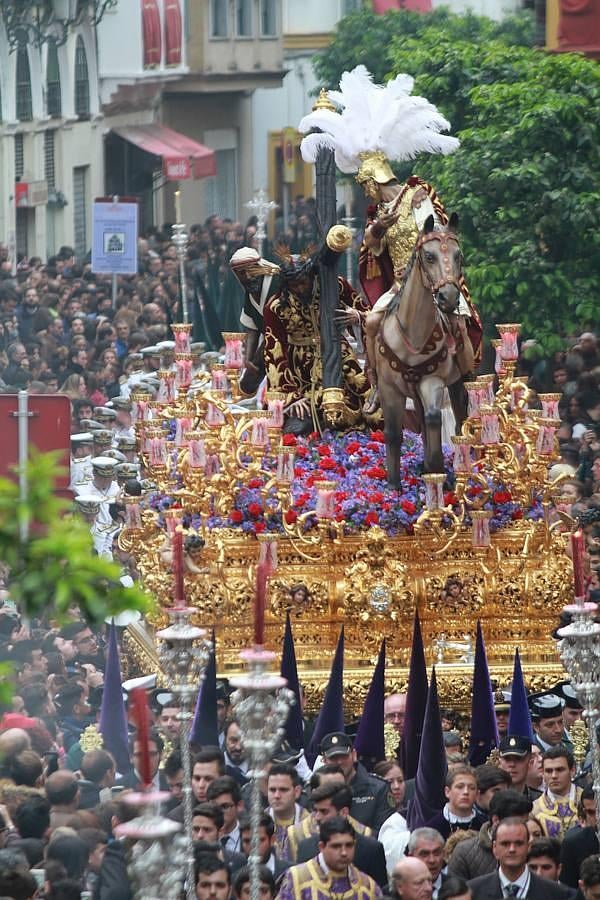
[
  {"x": 578, "y": 843},
  {"x": 372, "y": 802},
  {"x": 369, "y": 856},
  {"x": 113, "y": 881},
  {"x": 488, "y": 887}
]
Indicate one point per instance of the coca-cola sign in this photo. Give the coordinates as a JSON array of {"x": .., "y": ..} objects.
[{"x": 177, "y": 169}]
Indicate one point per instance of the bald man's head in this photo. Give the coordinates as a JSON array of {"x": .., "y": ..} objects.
[
  {"x": 412, "y": 880},
  {"x": 12, "y": 742},
  {"x": 62, "y": 789}
]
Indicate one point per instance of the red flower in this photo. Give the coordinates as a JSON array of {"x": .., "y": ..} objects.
[
  {"x": 374, "y": 445},
  {"x": 352, "y": 447},
  {"x": 300, "y": 450},
  {"x": 323, "y": 450},
  {"x": 290, "y": 440},
  {"x": 255, "y": 483},
  {"x": 371, "y": 518},
  {"x": 236, "y": 516},
  {"x": 340, "y": 517},
  {"x": 301, "y": 499},
  {"x": 450, "y": 498},
  {"x": 378, "y": 436},
  {"x": 386, "y": 507},
  {"x": 408, "y": 506},
  {"x": 376, "y": 497},
  {"x": 340, "y": 496},
  {"x": 313, "y": 436},
  {"x": 475, "y": 489},
  {"x": 377, "y": 472},
  {"x": 254, "y": 510},
  {"x": 291, "y": 516},
  {"x": 516, "y": 514},
  {"x": 501, "y": 496},
  {"x": 327, "y": 463},
  {"x": 259, "y": 527}
]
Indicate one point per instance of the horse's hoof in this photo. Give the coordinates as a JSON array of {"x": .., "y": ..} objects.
[{"x": 371, "y": 404}]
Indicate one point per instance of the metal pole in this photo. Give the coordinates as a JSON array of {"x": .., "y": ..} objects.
[{"x": 114, "y": 274}]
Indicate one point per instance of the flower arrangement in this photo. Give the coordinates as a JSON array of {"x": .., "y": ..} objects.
[{"x": 356, "y": 462}]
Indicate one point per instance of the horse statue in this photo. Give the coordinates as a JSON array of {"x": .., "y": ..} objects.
[{"x": 415, "y": 346}]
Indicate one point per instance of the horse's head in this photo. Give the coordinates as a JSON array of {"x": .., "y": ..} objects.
[{"x": 440, "y": 262}]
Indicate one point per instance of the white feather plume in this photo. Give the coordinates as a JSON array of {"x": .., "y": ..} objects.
[{"x": 375, "y": 117}]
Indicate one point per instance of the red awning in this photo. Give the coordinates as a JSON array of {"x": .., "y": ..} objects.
[{"x": 182, "y": 156}]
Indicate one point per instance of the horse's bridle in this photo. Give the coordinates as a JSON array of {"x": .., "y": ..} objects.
[{"x": 442, "y": 237}]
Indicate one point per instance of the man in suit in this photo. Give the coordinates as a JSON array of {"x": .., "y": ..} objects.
[
  {"x": 332, "y": 800},
  {"x": 207, "y": 822},
  {"x": 513, "y": 879},
  {"x": 547, "y": 719},
  {"x": 579, "y": 842},
  {"x": 427, "y": 844},
  {"x": 266, "y": 845},
  {"x": 155, "y": 748},
  {"x": 589, "y": 883}
]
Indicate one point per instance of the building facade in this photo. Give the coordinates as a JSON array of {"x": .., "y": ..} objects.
[{"x": 112, "y": 97}]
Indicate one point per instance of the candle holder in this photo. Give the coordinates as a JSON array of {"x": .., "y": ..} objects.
[
  {"x": 490, "y": 427},
  {"x": 153, "y": 840},
  {"x": 260, "y": 704},
  {"x": 546, "y": 436},
  {"x": 498, "y": 362},
  {"x": 182, "y": 332},
  {"x": 473, "y": 389},
  {"x": 509, "y": 348},
  {"x": 462, "y": 453},
  {"x": 180, "y": 238},
  {"x": 579, "y": 649},
  {"x": 325, "y": 507},
  {"x": 184, "y": 652},
  {"x": 267, "y": 555},
  {"x": 481, "y": 528},
  {"x": 434, "y": 491},
  {"x": 550, "y": 405},
  {"x": 275, "y": 402},
  {"x": 234, "y": 348}
]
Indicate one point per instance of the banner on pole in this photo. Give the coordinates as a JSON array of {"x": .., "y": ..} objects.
[{"x": 115, "y": 235}]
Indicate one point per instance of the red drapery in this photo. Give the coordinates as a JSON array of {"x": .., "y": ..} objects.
[
  {"x": 579, "y": 26},
  {"x": 173, "y": 32},
  {"x": 151, "y": 33},
  {"x": 382, "y": 6}
]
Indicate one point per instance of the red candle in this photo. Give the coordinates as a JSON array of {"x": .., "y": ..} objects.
[
  {"x": 178, "y": 566},
  {"x": 139, "y": 706},
  {"x": 259, "y": 604},
  {"x": 577, "y": 548}
]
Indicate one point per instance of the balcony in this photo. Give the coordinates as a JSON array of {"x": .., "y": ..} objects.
[{"x": 234, "y": 45}]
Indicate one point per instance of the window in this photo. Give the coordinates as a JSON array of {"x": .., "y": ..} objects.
[
  {"x": 221, "y": 189},
  {"x": 218, "y": 15},
  {"x": 268, "y": 18},
  {"x": 49, "y": 165},
  {"x": 19, "y": 156},
  {"x": 243, "y": 18},
  {"x": 82, "y": 82},
  {"x": 350, "y": 6},
  {"x": 80, "y": 211},
  {"x": 24, "y": 105},
  {"x": 53, "y": 100}
]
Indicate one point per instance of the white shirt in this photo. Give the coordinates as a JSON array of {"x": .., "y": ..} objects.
[
  {"x": 394, "y": 836},
  {"x": 233, "y": 841},
  {"x": 522, "y": 881}
]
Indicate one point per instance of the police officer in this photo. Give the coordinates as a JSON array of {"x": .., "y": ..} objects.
[
  {"x": 547, "y": 718},
  {"x": 372, "y": 802}
]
